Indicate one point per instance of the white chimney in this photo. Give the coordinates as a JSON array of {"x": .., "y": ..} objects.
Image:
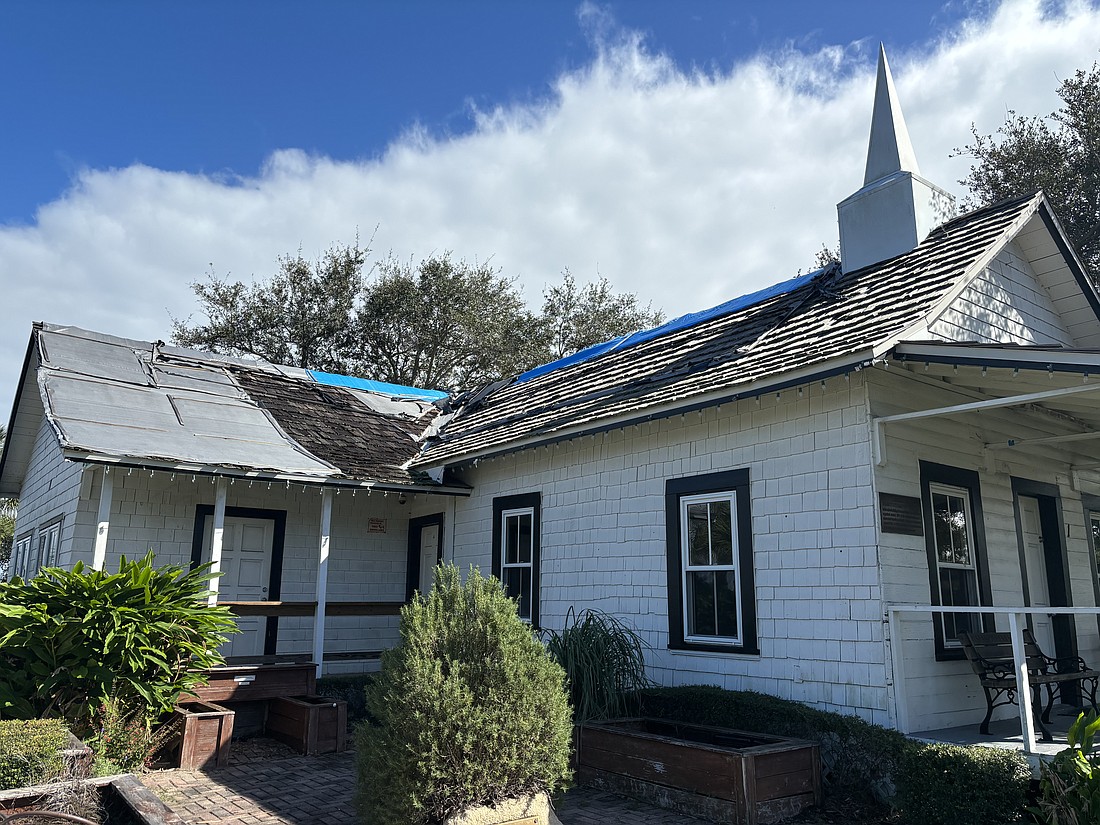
[{"x": 896, "y": 208}]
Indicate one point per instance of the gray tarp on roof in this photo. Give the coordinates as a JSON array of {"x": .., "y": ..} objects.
[{"x": 132, "y": 401}]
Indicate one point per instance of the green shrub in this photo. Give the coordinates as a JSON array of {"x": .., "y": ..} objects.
[
  {"x": 352, "y": 689},
  {"x": 928, "y": 784},
  {"x": 603, "y": 664},
  {"x": 1070, "y": 783},
  {"x": 949, "y": 784},
  {"x": 71, "y": 639},
  {"x": 858, "y": 759},
  {"x": 470, "y": 709},
  {"x": 29, "y": 752}
]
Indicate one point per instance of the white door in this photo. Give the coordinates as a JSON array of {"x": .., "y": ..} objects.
[
  {"x": 1036, "y": 566},
  {"x": 246, "y": 573},
  {"x": 429, "y": 556}
]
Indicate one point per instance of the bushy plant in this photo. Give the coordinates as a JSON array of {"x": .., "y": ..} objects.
[
  {"x": 71, "y": 639},
  {"x": 30, "y": 752},
  {"x": 949, "y": 784},
  {"x": 1070, "y": 783},
  {"x": 927, "y": 784},
  {"x": 603, "y": 664},
  {"x": 470, "y": 709},
  {"x": 123, "y": 737}
]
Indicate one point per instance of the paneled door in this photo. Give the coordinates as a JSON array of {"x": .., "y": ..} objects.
[{"x": 246, "y": 569}]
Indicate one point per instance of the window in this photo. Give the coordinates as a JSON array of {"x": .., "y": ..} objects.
[
  {"x": 712, "y": 600},
  {"x": 516, "y": 550},
  {"x": 21, "y": 550},
  {"x": 955, "y": 541},
  {"x": 49, "y": 542}
]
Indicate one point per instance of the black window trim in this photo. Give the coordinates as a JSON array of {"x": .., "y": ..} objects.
[
  {"x": 735, "y": 481},
  {"x": 969, "y": 480},
  {"x": 521, "y": 501}
]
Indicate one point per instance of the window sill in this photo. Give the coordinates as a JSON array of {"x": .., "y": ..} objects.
[{"x": 709, "y": 651}]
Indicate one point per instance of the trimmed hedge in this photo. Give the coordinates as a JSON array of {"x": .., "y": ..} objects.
[
  {"x": 927, "y": 784},
  {"x": 30, "y": 752}
]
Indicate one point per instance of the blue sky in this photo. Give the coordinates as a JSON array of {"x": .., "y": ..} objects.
[
  {"x": 215, "y": 87},
  {"x": 688, "y": 151}
]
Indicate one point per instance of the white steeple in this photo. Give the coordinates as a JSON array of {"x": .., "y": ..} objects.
[{"x": 896, "y": 208}]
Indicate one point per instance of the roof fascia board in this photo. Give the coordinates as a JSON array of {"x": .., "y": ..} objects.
[
  {"x": 828, "y": 369},
  {"x": 32, "y": 352},
  {"x": 1076, "y": 265},
  {"x": 151, "y": 465},
  {"x": 992, "y": 250},
  {"x": 1017, "y": 358}
]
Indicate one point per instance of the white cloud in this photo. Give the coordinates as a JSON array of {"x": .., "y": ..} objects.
[{"x": 686, "y": 187}]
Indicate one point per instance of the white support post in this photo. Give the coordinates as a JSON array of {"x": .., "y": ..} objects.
[
  {"x": 897, "y": 659},
  {"x": 103, "y": 519},
  {"x": 217, "y": 536},
  {"x": 322, "y": 580},
  {"x": 1023, "y": 682}
]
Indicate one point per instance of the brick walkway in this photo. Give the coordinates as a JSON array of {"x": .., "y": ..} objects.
[{"x": 320, "y": 789}]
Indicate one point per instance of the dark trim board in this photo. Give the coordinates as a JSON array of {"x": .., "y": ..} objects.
[
  {"x": 278, "y": 541},
  {"x": 736, "y": 481},
  {"x": 412, "y": 565},
  {"x": 932, "y": 473},
  {"x": 518, "y": 502}
]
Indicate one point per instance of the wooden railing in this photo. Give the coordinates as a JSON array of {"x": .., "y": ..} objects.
[{"x": 310, "y": 608}]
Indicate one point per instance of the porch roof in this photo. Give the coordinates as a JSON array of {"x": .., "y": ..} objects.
[
  {"x": 833, "y": 321},
  {"x": 138, "y": 403}
]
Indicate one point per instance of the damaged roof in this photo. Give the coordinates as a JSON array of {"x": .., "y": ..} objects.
[
  {"x": 795, "y": 331},
  {"x": 136, "y": 402}
]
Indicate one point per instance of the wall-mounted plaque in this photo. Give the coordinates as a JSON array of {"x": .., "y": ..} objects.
[
  {"x": 376, "y": 525},
  {"x": 901, "y": 514}
]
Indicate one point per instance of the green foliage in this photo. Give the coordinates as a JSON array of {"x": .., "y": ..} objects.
[
  {"x": 69, "y": 640},
  {"x": 575, "y": 317},
  {"x": 123, "y": 737},
  {"x": 858, "y": 758},
  {"x": 352, "y": 689},
  {"x": 603, "y": 664},
  {"x": 949, "y": 784},
  {"x": 1070, "y": 783},
  {"x": 470, "y": 709},
  {"x": 927, "y": 784},
  {"x": 442, "y": 323},
  {"x": 30, "y": 752},
  {"x": 1059, "y": 154}
]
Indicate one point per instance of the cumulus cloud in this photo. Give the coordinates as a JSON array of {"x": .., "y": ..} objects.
[{"x": 684, "y": 185}]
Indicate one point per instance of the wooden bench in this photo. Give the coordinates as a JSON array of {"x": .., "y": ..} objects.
[{"x": 990, "y": 655}]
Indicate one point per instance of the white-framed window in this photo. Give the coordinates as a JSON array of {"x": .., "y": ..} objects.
[
  {"x": 516, "y": 551},
  {"x": 517, "y": 557},
  {"x": 957, "y": 570},
  {"x": 711, "y": 580},
  {"x": 20, "y": 553},
  {"x": 49, "y": 543}
]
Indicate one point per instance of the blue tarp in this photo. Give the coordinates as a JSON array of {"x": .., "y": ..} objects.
[
  {"x": 380, "y": 387},
  {"x": 683, "y": 322}
]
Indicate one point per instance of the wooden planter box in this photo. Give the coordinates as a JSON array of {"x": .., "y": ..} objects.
[
  {"x": 259, "y": 680},
  {"x": 206, "y": 731},
  {"x": 715, "y": 773},
  {"x": 309, "y": 724}
]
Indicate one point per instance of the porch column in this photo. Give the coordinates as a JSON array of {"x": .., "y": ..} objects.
[
  {"x": 1023, "y": 697},
  {"x": 103, "y": 519},
  {"x": 216, "y": 537},
  {"x": 322, "y": 580}
]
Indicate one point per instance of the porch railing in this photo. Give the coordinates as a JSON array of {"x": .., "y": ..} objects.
[
  {"x": 272, "y": 608},
  {"x": 1017, "y": 621}
]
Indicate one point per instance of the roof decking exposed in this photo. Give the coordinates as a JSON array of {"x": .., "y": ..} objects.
[{"x": 831, "y": 317}]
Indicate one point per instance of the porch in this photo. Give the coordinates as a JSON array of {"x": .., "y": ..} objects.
[{"x": 913, "y": 664}]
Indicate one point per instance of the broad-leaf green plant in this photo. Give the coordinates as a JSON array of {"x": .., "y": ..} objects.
[
  {"x": 603, "y": 662},
  {"x": 72, "y": 639},
  {"x": 1070, "y": 783},
  {"x": 469, "y": 709}
]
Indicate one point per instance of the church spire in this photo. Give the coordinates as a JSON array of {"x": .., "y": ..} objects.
[
  {"x": 896, "y": 208},
  {"x": 889, "y": 149}
]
